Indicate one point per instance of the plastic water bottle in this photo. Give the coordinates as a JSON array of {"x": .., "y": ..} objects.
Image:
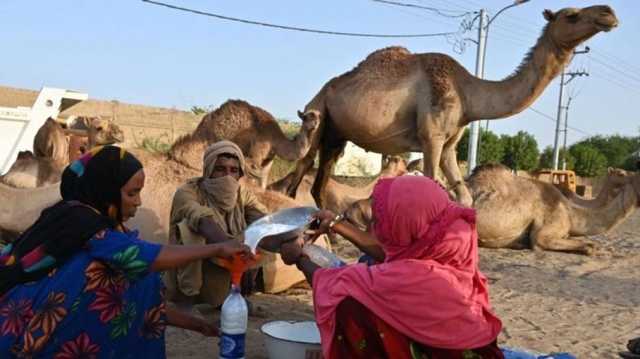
[
  {"x": 233, "y": 320},
  {"x": 322, "y": 257}
]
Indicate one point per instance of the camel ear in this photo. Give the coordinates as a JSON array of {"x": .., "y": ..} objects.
[
  {"x": 548, "y": 15},
  {"x": 301, "y": 115}
]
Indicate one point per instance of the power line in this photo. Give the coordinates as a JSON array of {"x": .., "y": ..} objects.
[
  {"x": 616, "y": 82},
  {"x": 619, "y": 60},
  {"x": 551, "y": 118},
  {"x": 612, "y": 68},
  {"x": 294, "y": 28},
  {"x": 440, "y": 12}
]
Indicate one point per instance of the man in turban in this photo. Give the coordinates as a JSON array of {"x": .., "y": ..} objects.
[{"x": 209, "y": 209}]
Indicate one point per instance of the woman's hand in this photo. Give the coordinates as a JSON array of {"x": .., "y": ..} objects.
[
  {"x": 207, "y": 329},
  {"x": 291, "y": 251},
  {"x": 228, "y": 249},
  {"x": 324, "y": 217}
]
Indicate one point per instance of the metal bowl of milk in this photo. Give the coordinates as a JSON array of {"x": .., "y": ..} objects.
[
  {"x": 269, "y": 232},
  {"x": 291, "y": 340}
]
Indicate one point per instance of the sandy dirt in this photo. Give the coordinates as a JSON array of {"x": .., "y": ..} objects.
[{"x": 589, "y": 306}]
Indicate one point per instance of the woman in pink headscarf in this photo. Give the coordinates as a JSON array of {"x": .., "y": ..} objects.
[{"x": 426, "y": 298}]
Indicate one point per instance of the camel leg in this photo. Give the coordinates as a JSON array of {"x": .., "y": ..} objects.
[
  {"x": 451, "y": 170},
  {"x": 546, "y": 237},
  {"x": 329, "y": 154},
  {"x": 302, "y": 167},
  {"x": 432, "y": 152}
]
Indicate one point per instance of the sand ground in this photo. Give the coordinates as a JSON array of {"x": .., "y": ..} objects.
[{"x": 589, "y": 306}]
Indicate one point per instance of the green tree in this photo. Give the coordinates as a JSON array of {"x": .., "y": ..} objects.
[
  {"x": 546, "y": 158},
  {"x": 491, "y": 148},
  {"x": 520, "y": 151},
  {"x": 615, "y": 148},
  {"x": 589, "y": 161},
  {"x": 197, "y": 110}
]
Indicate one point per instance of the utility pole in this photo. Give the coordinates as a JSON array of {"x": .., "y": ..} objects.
[
  {"x": 563, "y": 83},
  {"x": 566, "y": 128},
  {"x": 483, "y": 30},
  {"x": 475, "y": 125}
]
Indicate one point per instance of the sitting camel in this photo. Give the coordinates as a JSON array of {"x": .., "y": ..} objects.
[
  {"x": 395, "y": 101},
  {"x": 340, "y": 196},
  {"x": 52, "y": 151},
  {"x": 513, "y": 209},
  {"x": 253, "y": 129},
  {"x": 519, "y": 212},
  {"x": 614, "y": 182}
]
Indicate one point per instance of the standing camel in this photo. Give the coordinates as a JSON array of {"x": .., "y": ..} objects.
[
  {"x": 253, "y": 129},
  {"x": 395, "y": 101}
]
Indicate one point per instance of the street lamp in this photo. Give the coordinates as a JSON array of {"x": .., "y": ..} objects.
[{"x": 483, "y": 30}]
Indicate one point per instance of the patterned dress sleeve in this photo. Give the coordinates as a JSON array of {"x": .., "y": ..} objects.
[{"x": 124, "y": 252}]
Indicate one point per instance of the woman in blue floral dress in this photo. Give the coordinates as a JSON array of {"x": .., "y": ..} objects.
[{"x": 78, "y": 284}]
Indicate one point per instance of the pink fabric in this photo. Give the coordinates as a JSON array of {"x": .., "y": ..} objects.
[{"x": 429, "y": 287}]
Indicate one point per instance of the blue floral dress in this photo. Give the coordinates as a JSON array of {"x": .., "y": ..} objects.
[{"x": 102, "y": 303}]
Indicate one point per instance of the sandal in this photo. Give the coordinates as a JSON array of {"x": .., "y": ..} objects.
[
  {"x": 634, "y": 345},
  {"x": 634, "y": 349},
  {"x": 629, "y": 355}
]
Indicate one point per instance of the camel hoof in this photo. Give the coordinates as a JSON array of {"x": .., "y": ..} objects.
[{"x": 590, "y": 249}]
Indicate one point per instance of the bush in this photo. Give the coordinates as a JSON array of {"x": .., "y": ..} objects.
[
  {"x": 589, "y": 161},
  {"x": 546, "y": 159},
  {"x": 491, "y": 147},
  {"x": 520, "y": 151},
  {"x": 154, "y": 145}
]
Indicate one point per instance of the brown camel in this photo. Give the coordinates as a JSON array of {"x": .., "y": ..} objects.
[
  {"x": 339, "y": 195},
  {"x": 517, "y": 212},
  {"x": 395, "y": 101},
  {"x": 52, "y": 151},
  {"x": 520, "y": 212},
  {"x": 250, "y": 127},
  {"x": 614, "y": 182}
]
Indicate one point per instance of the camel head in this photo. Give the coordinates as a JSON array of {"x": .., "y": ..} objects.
[
  {"x": 569, "y": 27},
  {"x": 359, "y": 213},
  {"x": 104, "y": 132},
  {"x": 255, "y": 173},
  {"x": 394, "y": 166},
  {"x": 310, "y": 119}
]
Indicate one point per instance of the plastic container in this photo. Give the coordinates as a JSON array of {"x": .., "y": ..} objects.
[
  {"x": 517, "y": 353},
  {"x": 290, "y": 339},
  {"x": 233, "y": 320},
  {"x": 321, "y": 256}
]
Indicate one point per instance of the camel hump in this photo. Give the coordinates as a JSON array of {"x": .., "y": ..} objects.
[
  {"x": 392, "y": 61},
  {"x": 387, "y": 56},
  {"x": 490, "y": 169},
  {"x": 391, "y": 53},
  {"x": 231, "y": 117}
]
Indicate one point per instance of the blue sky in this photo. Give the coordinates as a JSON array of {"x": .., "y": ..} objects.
[{"x": 139, "y": 53}]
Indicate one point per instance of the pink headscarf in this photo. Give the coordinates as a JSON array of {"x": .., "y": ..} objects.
[{"x": 430, "y": 273}]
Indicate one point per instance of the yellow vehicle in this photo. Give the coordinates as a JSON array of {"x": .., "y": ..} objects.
[{"x": 561, "y": 178}]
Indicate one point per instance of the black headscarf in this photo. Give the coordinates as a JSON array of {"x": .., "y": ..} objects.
[{"x": 91, "y": 202}]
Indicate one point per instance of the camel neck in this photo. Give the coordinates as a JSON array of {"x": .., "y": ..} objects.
[
  {"x": 592, "y": 221},
  {"x": 498, "y": 99}
]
